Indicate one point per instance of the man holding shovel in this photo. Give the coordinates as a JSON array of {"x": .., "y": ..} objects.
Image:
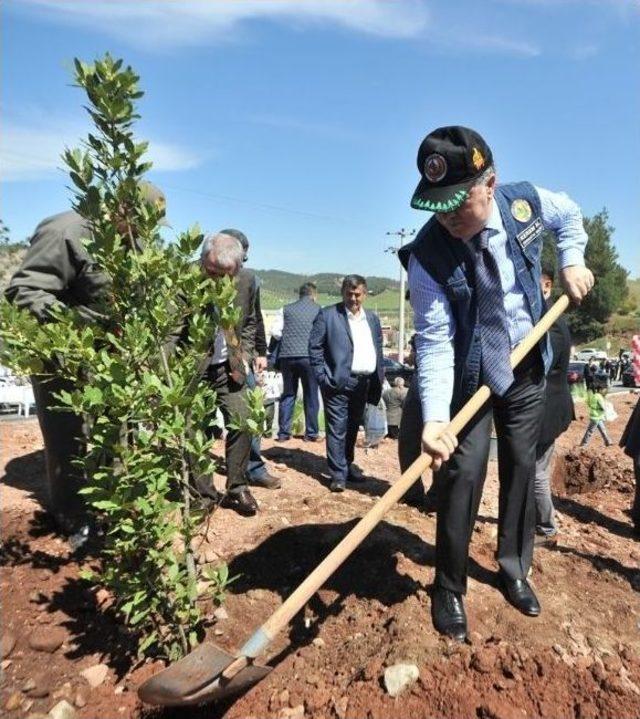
[{"x": 474, "y": 279}]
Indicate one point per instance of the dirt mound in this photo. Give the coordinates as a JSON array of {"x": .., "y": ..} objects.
[{"x": 584, "y": 470}]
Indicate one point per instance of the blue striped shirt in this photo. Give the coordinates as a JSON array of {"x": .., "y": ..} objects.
[{"x": 433, "y": 319}]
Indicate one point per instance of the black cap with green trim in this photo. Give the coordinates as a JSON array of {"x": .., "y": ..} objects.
[{"x": 450, "y": 160}]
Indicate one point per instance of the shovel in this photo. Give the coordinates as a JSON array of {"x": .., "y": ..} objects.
[{"x": 209, "y": 672}]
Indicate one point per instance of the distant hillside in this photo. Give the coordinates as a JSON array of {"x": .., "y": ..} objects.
[{"x": 279, "y": 288}]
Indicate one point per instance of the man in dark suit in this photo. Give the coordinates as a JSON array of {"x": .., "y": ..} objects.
[
  {"x": 556, "y": 417},
  {"x": 345, "y": 350},
  {"x": 233, "y": 349}
]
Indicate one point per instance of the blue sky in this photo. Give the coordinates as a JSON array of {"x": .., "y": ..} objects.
[{"x": 298, "y": 121}]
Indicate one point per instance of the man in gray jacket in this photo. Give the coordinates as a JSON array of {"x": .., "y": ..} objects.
[{"x": 58, "y": 271}]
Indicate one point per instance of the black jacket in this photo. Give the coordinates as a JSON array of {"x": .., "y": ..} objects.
[
  {"x": 630, "y": 440},
  {"x": 558, "y": 409}
]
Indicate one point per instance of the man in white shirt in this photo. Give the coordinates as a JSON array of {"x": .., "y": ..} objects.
[{"x": 345, "y": 351}]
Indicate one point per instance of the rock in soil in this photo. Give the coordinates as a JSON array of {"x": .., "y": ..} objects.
[
  {"x": 398, "y": 677},
  {"x": 7, "y": 643},
  {"x": 47, "y": 639},
  {"x": 13, "y": 702},
  {"x": 95, "y": 675},
  {"x": 63, "y": 710}
]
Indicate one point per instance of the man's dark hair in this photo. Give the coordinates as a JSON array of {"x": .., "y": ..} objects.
[
  {"x": 350, "y": 282},
  {"x": 307, "y": 289},
  {"x": 548, "y": 271}
]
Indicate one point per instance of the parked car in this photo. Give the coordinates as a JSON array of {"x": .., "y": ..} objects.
[
  {"x": 575, "y": 372},
  {"x": 628, "y": 378},
  {"x": 584, "y": 355},
  {"x": 393, "y": 369}
]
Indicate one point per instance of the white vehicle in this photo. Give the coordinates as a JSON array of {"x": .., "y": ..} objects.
[{"x": 587, "y": 353}]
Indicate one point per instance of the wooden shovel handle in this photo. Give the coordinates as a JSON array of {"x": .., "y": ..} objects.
[{"x": 336, "y": 557}]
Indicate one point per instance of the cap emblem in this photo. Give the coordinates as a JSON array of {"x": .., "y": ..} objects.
[
  {"x": 435, "y": 167},
  {"x": 477, "y": 158}
]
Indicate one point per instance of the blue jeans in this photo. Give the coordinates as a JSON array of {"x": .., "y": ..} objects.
[
  {"x": 601, "y": 427},
  {"x": 294, "y": 370}
]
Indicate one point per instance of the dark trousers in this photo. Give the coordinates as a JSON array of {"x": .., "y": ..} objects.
[
  {"x": 343, "y": 413},
  {"x": 64, "y": 440},
  {"x": 517, "y": 418},
  {"x": 232, "y": 402},
  {"x": 294, "y": 370}
]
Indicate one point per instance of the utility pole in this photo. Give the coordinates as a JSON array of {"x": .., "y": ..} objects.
[{"x": 402, "y": 234}]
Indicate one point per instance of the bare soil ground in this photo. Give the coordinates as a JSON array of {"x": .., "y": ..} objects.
[{"x": 580, "y": 658}]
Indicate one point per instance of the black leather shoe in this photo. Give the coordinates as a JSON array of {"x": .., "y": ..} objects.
[
  {"x": 337, "y": 485},
  {"x": 267, "y": 481},
  {"x": 242, "y": 502},
  {"x": 518, "y": 592},
  {"x": 447, "y": 612},
  {"x": 311, "y": 439}
]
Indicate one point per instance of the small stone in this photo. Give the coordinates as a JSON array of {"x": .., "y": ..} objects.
[
  {"x": 398, "y": 677},
  {"x": 63, "y": 692},
  {"x": 483, "y": 661},
  {"x": 37, "y": 715},
  {"x": 47, "y": 639},
  {"x": 340, "y": 707},
  {"x": 7, "y": 643},
  {"x": 318, "y": 642},
  {"x": 221, "y": 614},
  {"x": 28, "y": 685},
  {"x": 95, "y": 675},
  {"x": 13, "y": 702},
  {"x": 612, "y": 663},
  {"x": 5, "y": 664},
  {"x": 27, "y": 705},
  {"x": 79, "y": 700},
  {"x": 63, "y": 710},
  {"x": 211, "y": 556},
  {"x": 283, "y": 697},
  {"x": 296, "y": 712}
]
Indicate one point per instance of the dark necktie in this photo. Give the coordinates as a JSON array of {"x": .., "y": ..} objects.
[{"x": 496, "y": 347}]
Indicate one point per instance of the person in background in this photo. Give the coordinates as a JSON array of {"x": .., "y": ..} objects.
[
  {"x": 589, "y": 373},
  {"x": 630, "y": 442},
  {"x": 345, "y": 350},
  {"x": 258, "y": 474},
  {"x": 596, "y": 403},
  {"x": 394, "y": 398},
  {"x": 226, "y": 371},
  {"x": 556, "y": 415},
  {"x": 57, "y": 271},
  {"x": 292, "y": 329}
]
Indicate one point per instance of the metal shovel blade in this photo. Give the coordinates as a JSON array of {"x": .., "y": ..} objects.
[{"x": 198, "y": 678}]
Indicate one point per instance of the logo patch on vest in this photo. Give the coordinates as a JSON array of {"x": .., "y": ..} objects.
[
  {"x": 529, "y": 234},
  {"x": 521, "y": 210}
]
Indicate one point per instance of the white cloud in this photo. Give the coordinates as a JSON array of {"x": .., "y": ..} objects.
[
  {"x": 32, "y": 151},
  {"x": 155, "y": 24}
]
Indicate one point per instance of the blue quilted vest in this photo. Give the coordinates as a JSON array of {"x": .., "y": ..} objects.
[
  {"x": 450, "y": 262},
  {"x": 298, "y": 319}
]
